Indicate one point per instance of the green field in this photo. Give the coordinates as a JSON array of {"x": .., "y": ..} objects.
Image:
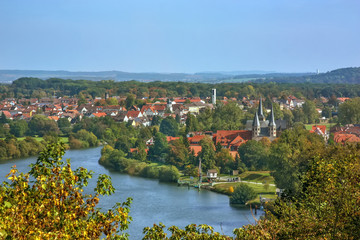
[
  {"x": 257, "y": 176},
  {"x": 264, "y": 190}
]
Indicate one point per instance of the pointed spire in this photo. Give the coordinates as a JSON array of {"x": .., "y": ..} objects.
[
  {"x": 260, "y": 110},
  {"x": 256, "y": 122},
  {"x": 272, "y": 119}
]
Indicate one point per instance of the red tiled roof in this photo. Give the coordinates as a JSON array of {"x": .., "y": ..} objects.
[
  {"x": 196, "y": 149},
  {"x": 196, "y": 139},
  {"x": 99, "y": 114},
  {"x": 170, "y": 138},
  {"x": 225, "y": 137},
  {"x": 133, "y": 114},
  {"x": 233, "y": 154},
  {"x": 7, "y": 114},
  {"x": 343, "y": 138},
  {"x": 322, "y": 128},
  {"x": 55, "y": 118}
]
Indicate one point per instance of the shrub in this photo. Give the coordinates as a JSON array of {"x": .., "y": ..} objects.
[
  {"x": 169, "y": 174},
  {"x": 242, "y": 194}
]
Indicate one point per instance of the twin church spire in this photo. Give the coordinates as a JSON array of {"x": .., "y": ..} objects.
[{"x": 262, "y": 127}]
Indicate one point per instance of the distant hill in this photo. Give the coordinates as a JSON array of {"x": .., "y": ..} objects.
[
  {"x": 340, "y": 76},
  {"x": 11, "y": 75},
  {"x": 8, "y": 76},
  {"x": 343, "y": 75}
]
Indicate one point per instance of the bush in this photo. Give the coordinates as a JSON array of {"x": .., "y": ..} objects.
[
  {"x": 169, "y": 174},
  {"x": 150, "y": 172},
  {"x": 242, "y": 194}
]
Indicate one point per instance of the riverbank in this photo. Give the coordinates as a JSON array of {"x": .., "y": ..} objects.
[{"x": 260, "y": 181}]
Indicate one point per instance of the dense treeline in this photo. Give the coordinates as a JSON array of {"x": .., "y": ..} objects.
[
  {"x": 34, "y": 87},
  {"x": 338, "y": 76},
  {"x": 12, "y": 148}
]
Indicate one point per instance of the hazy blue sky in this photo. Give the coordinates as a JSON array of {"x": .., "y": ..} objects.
[{"x": 179, "y": 35}]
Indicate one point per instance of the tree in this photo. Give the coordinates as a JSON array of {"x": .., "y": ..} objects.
[
  {"x": 49, "y": 203},
  {"x": 40, "y": 125},
  {"x": 349, "y": 111},
  {"x": 290, "y": 156},
  {"x": 64, "y": 125},
  {"x": 310, "y": 111},
  {"x": 3, "y": 118},
  {"x": 155, "y": 120},
  {"x": 207, "y": 153},
  {"x": 242, "y": 194},
  {"x": 112, "y": 101},
  {"x": 224, "y": 161},
  {"x": 130, "y": 101},
  {"x": 169, "y": 174},
  {"x": 254, "y": 155},
  {"x": 179, "y": 153},
  {"x": 19, "y": 128},
  {"x": 169, "y": 127},
  {"x": 328, "y": 207},
  {"x": 159, "y": 151}
]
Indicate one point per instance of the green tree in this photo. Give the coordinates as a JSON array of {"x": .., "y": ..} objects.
[
  {"x": 19, "y": 128},
  {"x": 179, "y": 154},
  {"x": 49, "y": 203},
  {"x": 3, "y": 118},
  {"x": 328, "y": 207},
  {"x": 242, "y": 194},
  {"x": 169, "y": 127},
  {"x": 130, "y": 101},
  {"x": 169, "y": 174},
  {"x": 311, "y": 114},
  {"x": 64, "y": 125},
  {"x": 207, "y": 153},
  {"x": 40, "y": 125},
  {"x": 160, "y": 150},
  {"x": 349, "y": 111},
  {"x": 290, "y": 156},
  {"x": 254, "y": 155},
  {"x": 112, "y": 101},
  {"x": 224, "y": 161}
]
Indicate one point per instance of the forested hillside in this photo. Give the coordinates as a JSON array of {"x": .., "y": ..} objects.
[{"x": 338, "y": 76}]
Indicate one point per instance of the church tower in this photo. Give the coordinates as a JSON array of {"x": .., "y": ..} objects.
[
  {"x": 260, "y": 111},
  {"x": 169, "y": 105},
  {"x": 272, "y": 124},
  {"x": 256, "y": 126}
]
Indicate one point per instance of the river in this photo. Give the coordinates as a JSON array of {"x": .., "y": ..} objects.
[{"x": 153, "y": 202}]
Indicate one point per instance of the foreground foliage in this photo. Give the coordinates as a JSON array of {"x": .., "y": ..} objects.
[{"x": 49, "y": 203}]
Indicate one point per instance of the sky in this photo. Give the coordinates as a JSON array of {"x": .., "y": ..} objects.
[{"x": 179, "y": 35}]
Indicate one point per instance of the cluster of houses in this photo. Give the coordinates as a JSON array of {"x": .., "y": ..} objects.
[
  {"x": 66, "y": 107},
  {"x": 55, "y": 108}
]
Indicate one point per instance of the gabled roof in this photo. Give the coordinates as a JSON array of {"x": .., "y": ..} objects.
[
  {"x": 196, "y": 139},
  {"x": 318, "y": 129},
  {"x": 99, "y": 114},
  {"x": 7, "y": 114},
  {"x": 195, "y": 149},
  {"x": 133, "y": 114},
  {"x": 225, "y": 137}
]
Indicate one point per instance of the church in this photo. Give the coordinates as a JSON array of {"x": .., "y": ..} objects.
[{"x": 262, "y": 127}]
